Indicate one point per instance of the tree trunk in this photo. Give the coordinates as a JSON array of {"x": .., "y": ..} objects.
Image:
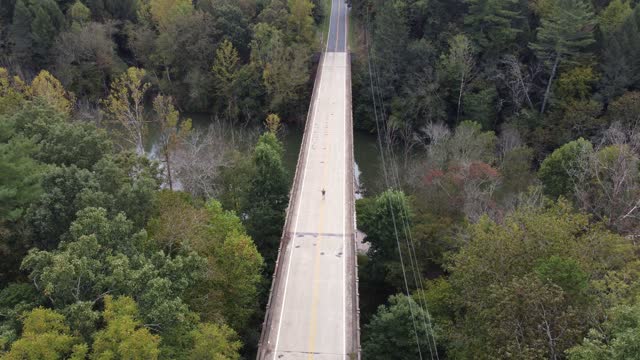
[
  {"x": 167, "y": 159},
  {"x": 460, "y": 97},
  {"x": 526, "y": 93},
  {"x": 548, "y": 91},
  {"x": 139, "y": 143}
]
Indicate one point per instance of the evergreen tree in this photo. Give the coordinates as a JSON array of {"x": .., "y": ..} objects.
[
  {"x": 621, "y": 53},
  {"x": 35, "y": 27},
  {"x": 268, "y": 196},
  {"x": 226, "y": 70},
  {"x": 492, "y": 24},
  {"x": 21, "y": 31},
  {"x": 564, "y": 33},
  {"x": 390, "y": 39}
]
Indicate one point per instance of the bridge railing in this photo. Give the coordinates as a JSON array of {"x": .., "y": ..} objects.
[
  {"x": 291, "y": 207},
  {"x": 351, "y": 183}
]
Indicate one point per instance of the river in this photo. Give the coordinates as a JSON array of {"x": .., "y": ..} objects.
[{"x": 367, "y": 159}]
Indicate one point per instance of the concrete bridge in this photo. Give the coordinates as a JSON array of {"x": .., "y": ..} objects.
[{"x": 313, "y": 305}]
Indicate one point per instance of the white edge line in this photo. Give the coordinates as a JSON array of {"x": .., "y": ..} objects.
[
  {"x": 295, "y": 227},
  {"x": 346, "y": 29},
  {"x": 330, "y": 24},
  {"x": 344, "y": 225},
  {"x": 347, "y": 164},
  {"x": 337, "y": 45}
]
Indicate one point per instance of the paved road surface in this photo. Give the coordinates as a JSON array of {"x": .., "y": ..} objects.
[
  {"x": 312, "y": 306},
  {"x": 337, "y": 39}
]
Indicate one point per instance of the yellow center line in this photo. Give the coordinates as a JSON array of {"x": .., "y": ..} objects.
[{"x": 316, "y": 266}]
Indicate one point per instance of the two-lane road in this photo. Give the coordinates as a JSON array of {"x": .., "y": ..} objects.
[
  {"x": 337, "y": 39},
  {"x": 312, "y": 305}
]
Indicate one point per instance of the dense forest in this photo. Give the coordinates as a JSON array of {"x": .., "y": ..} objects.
[
  {"x": 509, "y": 145},
  {"x": 511, "y": 148},
  {"x": 107, "y": 251}
]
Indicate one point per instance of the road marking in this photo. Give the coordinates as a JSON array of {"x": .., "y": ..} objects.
[
  {"x": 337, "y": 46},
  {"x": 330, "y": 25},
  {"x": 344, "y": 225},
  {"x": 346, "y": 31},
  {"x": 295, "y": 228},
  {"x": 325, "y": 234},
  {"x": 316, "y": 265}
]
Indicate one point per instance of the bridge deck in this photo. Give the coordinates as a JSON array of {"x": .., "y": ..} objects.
[{"x": 313, "y": 306}]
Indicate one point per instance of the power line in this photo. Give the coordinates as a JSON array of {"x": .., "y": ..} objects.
[
  {"x": 386, "y": 176},
  {"x": 406, "y": 226},
  {"x": 427, "y": 323}
]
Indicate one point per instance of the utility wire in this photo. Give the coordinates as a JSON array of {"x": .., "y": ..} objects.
[
  {"x": 390, "y": 205},
  {"x": 427, "y": 323}
]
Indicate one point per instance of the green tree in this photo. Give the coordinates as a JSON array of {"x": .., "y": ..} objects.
[
  {"x": 124, "y": 337},
  {"x": 459, "y": 64},
  {"x": 268, "y": 196},
  {"x": 575, "y": 84},
  {"x": 165, "y": 11},
  {"x": 559, "y": 170},
  {"x": 184, "y": 53},
  {"x": 45, "y": 336},
  {"x": 110, "y": 184},
  {"x": 86, "y": 59},
  {"x": 229, "y": 290},
  {"x": 614, "y": 15},
  {"x": 621, "y": 48},
  {"x": 625, "y": 109},
  {"x": 382, "y": 219},
  {"x": 21, "y": 31},
  {"x": 212, "y": 341},
  {"x": 35, "y": 27},
  {"x": 389, "y": 41},
  {"x": 227, "y": 70},
  {"x": 493, "y": 24},
  {"x": 385, "y": 219},
  {"x": 79, "y": 144},
  {"x": 300, "y": 29},
  {"x": 78, "y": 14},
  {"x": 235, "y": 268},
  {"x": 109, "y": 256},
  {"x": 395, "y": 331},
  {"x": 562, "y": 35},
  {"x": 529, "y": 279},
  {"x": 285, "y": 75},
  {"x": 617, "y": 339},
  {"x": 20, "y": 177},
  {"x": 237, "y": 278}
]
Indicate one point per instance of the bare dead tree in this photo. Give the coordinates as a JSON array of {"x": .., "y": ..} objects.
[
  {"x": 518, "y": 82},
  {"x": 508, "y": 140},
  {"x": 607, "y": 181},
  {"x": 479, "y": 183},
  {"x": 438, "y": 136},
  {"x": 202, "y": 155}
]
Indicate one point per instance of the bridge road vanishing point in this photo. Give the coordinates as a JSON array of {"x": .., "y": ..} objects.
[{"x": 313, "y": 305}]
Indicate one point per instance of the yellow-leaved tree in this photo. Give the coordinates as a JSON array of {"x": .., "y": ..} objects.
[
  {"x": 46, "y": 87},
  {"x": 125, "y": 106}
]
